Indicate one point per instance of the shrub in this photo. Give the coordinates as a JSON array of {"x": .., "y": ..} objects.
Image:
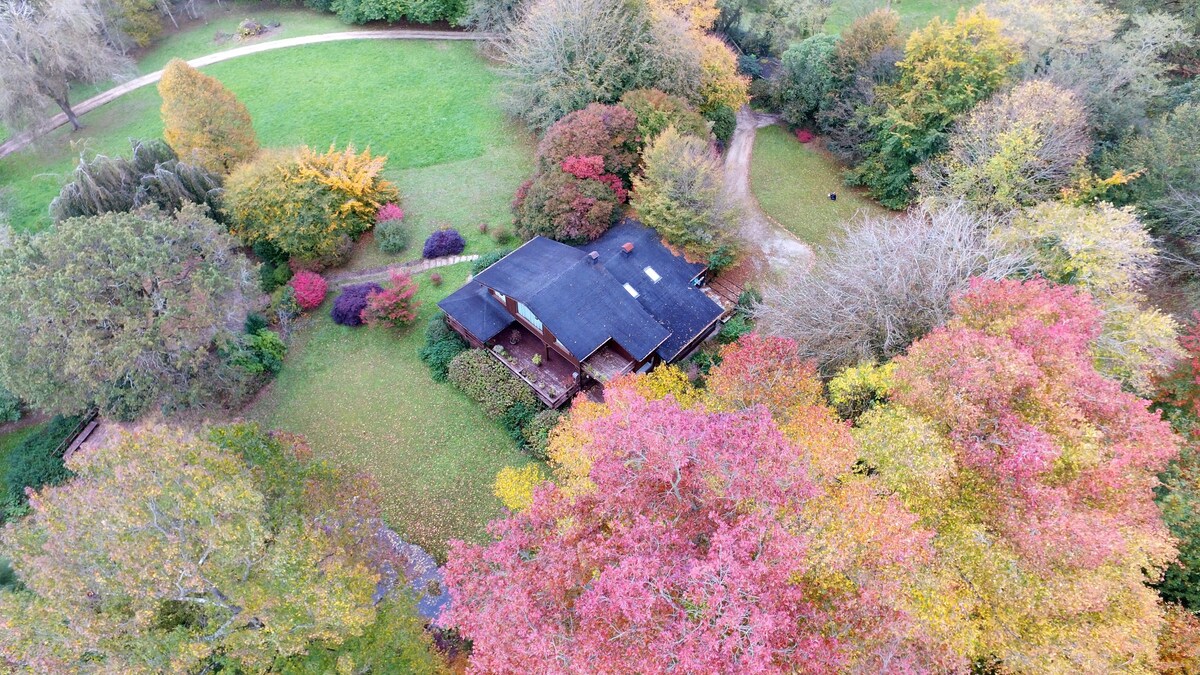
[
  {"x": 435, "y": 279},
  {"x": 610, "y": 131},
  {"x": 749, "y": 65},
  {"x": 516, "y": 418},
  {"x": 804, "y": 136},
  {"x": 260, "y": 352},
  {"x": 203, "y": 122},
  {"x": 10, "y": 406},
  {"x": 393, "y": 307},
  {"x": 536, "y": 433},
  {"x": 273, "y": 275},
  {"x": 681, "y": 194},
  {"x": 560, "y": 206},
  {"x": 488, "y": 259},
  {"x": 152, "y": 175},
  {"x": 349, "y": 305},
  {"x": 724, "y": 122},
  {"x": 655, "y": 111},
  {"x": 254, "y": 322},
  {"x": 284, "y": 306},
  {"x": 37, "y": 461},
  {"x": 443, "y": 243},
  {"x": 442, "y": 344},
  {"x": 502, "y": 236},
  {"x": 394, "y": 11},
  {"x": 489, "y": 383},
  {"x": 389, "y": 211},
  {"x": 305, "y": 204},
  {"x": 738, "y": 325},
  {"x": 310, "y": 289},
  {"x": 392, "y": 236}
]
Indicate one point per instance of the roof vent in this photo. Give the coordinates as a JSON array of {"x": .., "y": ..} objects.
[
  {"x": 593, "y": 257},
  {"x": 627, "y": 247}
]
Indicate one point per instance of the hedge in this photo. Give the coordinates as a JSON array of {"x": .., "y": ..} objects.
[
  {"x": 489, "y": 383},
  {"x": 442, "y": 344}
]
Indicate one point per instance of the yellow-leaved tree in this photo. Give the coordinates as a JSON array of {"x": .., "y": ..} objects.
[
  {"x": 203, "y": 122},
  {"x": 308, "y": 205},
  {"x": 720, "y": 83}
]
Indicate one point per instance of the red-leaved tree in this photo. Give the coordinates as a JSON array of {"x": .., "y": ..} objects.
[
  {"x": 393, "y": 307},
  {"x": 697, "y": 550}
]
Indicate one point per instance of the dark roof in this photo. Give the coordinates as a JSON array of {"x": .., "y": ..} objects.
[
  {"x": 681, "y": 308},
  {"x": 477, "y": 311},
  {"x": 584, "y": 302}
]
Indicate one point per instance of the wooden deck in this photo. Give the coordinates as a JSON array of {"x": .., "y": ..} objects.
[{"x": 554, "y": 380}]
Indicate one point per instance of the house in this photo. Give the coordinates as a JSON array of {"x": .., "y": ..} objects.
[{"x": 623, "y": 303}]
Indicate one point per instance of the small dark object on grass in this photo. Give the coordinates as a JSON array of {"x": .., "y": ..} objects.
[
  {"x": 435, "y": 279},
  {"x": 443, "y": 243},
  {"x": 483, "y": 228},
  {"x": 348, "y": 307},
  {"x": 833, "y": 196},
  {"x": 804, "y": 136}
]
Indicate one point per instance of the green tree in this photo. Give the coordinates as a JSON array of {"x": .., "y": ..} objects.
[
  {"x": 947, "y": 68},
  {"x": 204, "y": 122},
  {"x": 1168, "y": 193},
  {"x": 121, "y": 310},
  {"x": 806, "y": 79},
  {"x": 172, "y": 553},
  {"x": 681, "y": 194},
  {"x": 655, "y": 111}
]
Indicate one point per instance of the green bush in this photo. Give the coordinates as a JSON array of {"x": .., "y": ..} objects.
[
  {"x": 737, "y": 326},
  {"x": 489, "y": 383},
  {"x": 724, "y": 122},
  {"x": 392, "y": 236},
  {"x": 488, "y": 259},
  {"x": 38, "y": 461},
  {"x": 537, "y": 432},
  {"x": 442, "y": 344},
  {"x": 10, "y": 406},
  {"x": 516, "y": 418},
  {"x": 260, "y": 353}
]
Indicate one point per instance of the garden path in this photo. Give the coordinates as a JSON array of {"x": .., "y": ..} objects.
[
  {"x": 22, "y": 140},
  {"x": 781, "y": 250},
  {"x": 382, "y": 273}
]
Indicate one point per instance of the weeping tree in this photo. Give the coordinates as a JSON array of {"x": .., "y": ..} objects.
[
  {"x": 45, "y": 47},
  {"x": 152, "y": 175}
]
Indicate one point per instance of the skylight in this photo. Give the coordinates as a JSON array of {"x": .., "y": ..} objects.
[
  {"x": 631, "y": 291},
  {"x": 654, "y": 276}
]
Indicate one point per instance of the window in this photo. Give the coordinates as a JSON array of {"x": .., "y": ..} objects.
[
  {"x": 654, "y": 276},
  {"x": 499, "y": 296},
  {"x": 631, "y": 291},
  {"x": 528, "y": 315}
]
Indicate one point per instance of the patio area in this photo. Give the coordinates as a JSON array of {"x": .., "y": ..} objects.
[{"x": 554, "y": 380}]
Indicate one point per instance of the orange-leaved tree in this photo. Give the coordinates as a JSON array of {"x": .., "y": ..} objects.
[{"x": 204, "y": 122}]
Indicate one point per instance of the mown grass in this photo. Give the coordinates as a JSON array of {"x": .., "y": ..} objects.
[
  {"x": 792, "y": 181},
  {"x": 913, "y": 13},
  {"x": 364, "y": 400},
  {"x": 420, "y": 103}
]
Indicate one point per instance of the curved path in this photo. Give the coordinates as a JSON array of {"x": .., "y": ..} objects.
[
  {"x": 781, "y": 250},
  {"x": 21, "y": 141}
]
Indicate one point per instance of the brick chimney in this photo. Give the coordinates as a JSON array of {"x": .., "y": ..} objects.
[
  {"x": 627, "y": 247},
  {"x": 593, "y": 257}
]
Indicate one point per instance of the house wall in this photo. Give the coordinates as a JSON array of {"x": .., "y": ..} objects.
[{"x": 544, "y": 334}]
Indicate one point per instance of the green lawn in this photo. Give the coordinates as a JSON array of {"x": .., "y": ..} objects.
[
  {"x": 913, "y": 13},
  {"x": 363, "y": 399},
  {"x": 421, "y": 103},
  {"x": 792, "y": 181}
]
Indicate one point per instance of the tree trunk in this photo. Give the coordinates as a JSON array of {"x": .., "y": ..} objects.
[{"x": 66, "y": 108}]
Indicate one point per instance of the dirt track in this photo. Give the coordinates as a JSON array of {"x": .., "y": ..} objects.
[{"x": 781, "y": 250}]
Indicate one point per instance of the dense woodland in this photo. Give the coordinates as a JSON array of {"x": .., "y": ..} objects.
[{"x": 964, "y": 439}]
